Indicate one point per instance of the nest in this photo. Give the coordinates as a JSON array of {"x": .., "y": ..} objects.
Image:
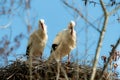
[{"x": 19, "y": 70}]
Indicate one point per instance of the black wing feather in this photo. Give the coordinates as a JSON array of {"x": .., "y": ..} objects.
[
  {"x": 54, "y": 47},
  {"x": 28, "y": 50}
]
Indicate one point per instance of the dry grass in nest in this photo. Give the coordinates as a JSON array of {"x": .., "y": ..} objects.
[{"x": 19, "y": 70}]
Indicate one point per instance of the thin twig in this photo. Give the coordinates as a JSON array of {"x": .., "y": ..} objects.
[
  {"x": 5, "y": 26},
  {"x": 81, "y": 15},
  {"x": 99, "y": 45},
  {"x": 114, "y": 10},
  {"x": 58, "y": 70},
  {"x": 11, "y": 76},
  {"x": 65, "y": 74},
  {"x": 108, "y": 61},
  {"x": 30, "y": 66}
]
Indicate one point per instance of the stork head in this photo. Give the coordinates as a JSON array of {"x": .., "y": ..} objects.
[
  {"x": 71, "y": 26},
  {"x": 42, "y": 25}
]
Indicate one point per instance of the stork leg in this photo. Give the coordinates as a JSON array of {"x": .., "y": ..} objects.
[
  {"x": 68, "y": 59},
  {"x": 40, "y": 56},
  {"x": 68, "y": 62}
]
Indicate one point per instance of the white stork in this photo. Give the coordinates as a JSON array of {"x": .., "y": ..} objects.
[
  {"x": 64, "y": 42},
  {"x": 37, "y": 41}
]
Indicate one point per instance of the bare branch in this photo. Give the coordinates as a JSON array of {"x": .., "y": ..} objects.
[
  {"x": 5, "y": 26},
  {"x": 108, "y": 61},
  {"x": 99, "y": 45},
  {"x": 114, "y": 10},
  {"x": 103, "y": 7},
  {"x": 81, "y": 15}
]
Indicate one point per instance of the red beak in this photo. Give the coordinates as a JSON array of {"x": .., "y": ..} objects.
[
  {"x": 42, "y": 26},
  {"x": 71, "y": 30}
]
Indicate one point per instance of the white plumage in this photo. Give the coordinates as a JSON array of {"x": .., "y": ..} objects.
[
  {"x": 37, "y": 41},
  {"x": 64, "y": 42}
]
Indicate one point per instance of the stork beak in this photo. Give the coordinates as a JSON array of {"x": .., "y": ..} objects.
[
  {"x": 71, "y": 30},
  {"x": 41, "y": 25}
]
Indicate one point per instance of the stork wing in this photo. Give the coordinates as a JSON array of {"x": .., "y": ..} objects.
[
  {"x": 58, "y": 38},
  {"x": 54, "y": 46},
  {"x": 28, "y": 47},
  {"x": 56, "y": 41}
]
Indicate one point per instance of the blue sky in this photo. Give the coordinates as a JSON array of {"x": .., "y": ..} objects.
[{"x": 57, "y": 16}]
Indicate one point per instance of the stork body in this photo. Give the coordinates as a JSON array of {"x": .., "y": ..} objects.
[
  {"x": 64, "y": 42},
  {"x": 37, "y": 41}
]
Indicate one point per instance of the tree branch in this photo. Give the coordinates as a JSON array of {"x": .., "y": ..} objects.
[
  {"x": 80, "y": 14},
  {"x": 5, "y": 26},
  {"x": 108, "y": 61},
  {"x": 114, "y": 10},
  {"x": 99, "y": 45}
]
